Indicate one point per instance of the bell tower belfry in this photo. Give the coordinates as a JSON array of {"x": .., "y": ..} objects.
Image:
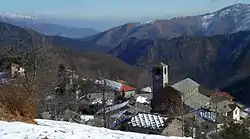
[
  {"x": 160, "y": 80},
  {"x": 160, "y": 76}
]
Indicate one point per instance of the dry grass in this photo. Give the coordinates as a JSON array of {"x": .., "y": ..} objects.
[{"x": 17, "y": 104}]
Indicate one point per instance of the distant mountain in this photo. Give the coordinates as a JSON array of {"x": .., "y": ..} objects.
[
  {"x": 74, "y": 54},
  {"x": 225, "y": 21},
  {"x": 216, "y": 61},
  {"x": 46, "y": 28}
]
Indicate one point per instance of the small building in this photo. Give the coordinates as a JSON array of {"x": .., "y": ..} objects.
[
  {"x": 127, "y": 90},
  {"x": 17, "y": 70},
  {"x": 224, "y": 106},
  {"x": 235, "y": 112},
  {"x": 72, "y": 77},
  {"x": 121, "y": 88}
]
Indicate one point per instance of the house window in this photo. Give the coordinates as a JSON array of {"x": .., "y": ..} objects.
[
  {"x": 236, "y": 112},
  {"x": 165, "y": 70},
  {"x": 157, "y": 71}
]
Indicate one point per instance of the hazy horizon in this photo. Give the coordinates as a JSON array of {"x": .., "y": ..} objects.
[{"x": 85, "y": 13}]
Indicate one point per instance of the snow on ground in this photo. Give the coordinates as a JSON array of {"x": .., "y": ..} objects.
[{"x": 65, "y": 130}]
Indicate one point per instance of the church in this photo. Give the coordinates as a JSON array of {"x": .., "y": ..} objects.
[
  {"x": 171, "y": 100},
  {"x": 166, "y": 100}
]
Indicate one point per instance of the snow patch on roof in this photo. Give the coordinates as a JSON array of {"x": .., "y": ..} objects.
[
  {"x": 86, "y": 117},
  {"x": 147, "y": 89},
  {"x": 141, "y": 99},
  {"x": 150, "y": 121}
]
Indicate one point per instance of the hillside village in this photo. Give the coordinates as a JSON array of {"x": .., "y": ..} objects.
[
  {"x": 179, "y": 78},
  {"x": 177, "y": 109}
]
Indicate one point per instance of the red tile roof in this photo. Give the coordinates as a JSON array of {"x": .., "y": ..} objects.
[
  {"x": 125, "y": 88},
  {"x": 223, "y": 94}
]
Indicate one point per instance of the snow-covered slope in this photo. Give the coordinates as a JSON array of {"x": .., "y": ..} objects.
[
  {"x": 236, "y": 17},
  {"x": 64, "y": 130},
  {"x": 228, "y": 20}
]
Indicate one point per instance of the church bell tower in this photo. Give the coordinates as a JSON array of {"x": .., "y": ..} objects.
[{"x": 160, "y": 80}]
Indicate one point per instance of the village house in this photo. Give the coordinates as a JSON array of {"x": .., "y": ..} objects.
[
  {"x": 10, "y": 69},
  {"x": 17, "y": 70},
  {"x": 226, "y": 107},
  {"x": 120, "y": 88}
]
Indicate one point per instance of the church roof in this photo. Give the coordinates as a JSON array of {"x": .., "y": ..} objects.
[{"x": 186, "y": 85}]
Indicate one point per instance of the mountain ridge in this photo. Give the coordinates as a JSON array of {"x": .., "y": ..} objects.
[
  {"x": 87, "y": 63},
  {"x": 228, "y": 20},
  {"x": 46, "y": 28}
]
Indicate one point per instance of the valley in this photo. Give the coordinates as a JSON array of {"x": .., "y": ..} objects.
[{"x": 185, "y": 76}]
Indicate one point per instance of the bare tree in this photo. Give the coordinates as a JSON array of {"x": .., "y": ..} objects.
[
  {"x": 31, "y": 51},
  {"x": 104, "y": 89}
]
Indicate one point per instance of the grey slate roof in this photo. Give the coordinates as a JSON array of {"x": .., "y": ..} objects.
[
  {"x": 114, "y": 107},
  {"x": 185, "y": 85},
  {"x": 222, "y": 106},
  {"x": 196, "y": 100}
]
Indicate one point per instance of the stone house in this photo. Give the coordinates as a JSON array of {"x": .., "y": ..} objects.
[
  {"x": 17, "y": 70},
  {"x": 120, "y": 88},
  {"x": 235, "y": 112},
  {"x": 226, "y": 107}
]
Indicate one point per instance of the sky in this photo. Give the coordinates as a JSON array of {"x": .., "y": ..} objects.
[{"x": 113, "y": 9}]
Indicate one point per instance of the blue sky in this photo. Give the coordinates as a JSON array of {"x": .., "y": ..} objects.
[{"x": 114, "y": 9}]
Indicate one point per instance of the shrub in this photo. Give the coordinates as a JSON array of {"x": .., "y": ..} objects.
[{"x": 20, "y": 104}]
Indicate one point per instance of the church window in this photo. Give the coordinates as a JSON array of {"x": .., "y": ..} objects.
[{"x": 157, "y": 71}]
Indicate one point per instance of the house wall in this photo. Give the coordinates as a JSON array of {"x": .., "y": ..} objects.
[
  {"x": 187, "y": 95},
  {"x": 129, "y": 94},
  {"x": 16, "y": 68},
  {"x": 236, "y": 113}
]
